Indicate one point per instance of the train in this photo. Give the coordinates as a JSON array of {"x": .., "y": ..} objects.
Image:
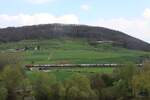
[{"x": 47, "y": 66}]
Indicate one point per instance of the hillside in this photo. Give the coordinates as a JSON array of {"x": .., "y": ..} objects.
[
  {"x": 78, "y": 51},
  {"x": 56, "y": 31}
]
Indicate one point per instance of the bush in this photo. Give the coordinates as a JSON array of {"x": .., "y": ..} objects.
[
  {"x": 78, "y": 88},
  {"x": 58, "y": 91},
  {"x": 42, "y": 85},
  {"x": 12, "y": 77},
  {"x": 97, "y": 84},
  {"x": 10, "y": 59},
  {"x": 141, "y": 81},
  {"x": 3, "y": 92}
]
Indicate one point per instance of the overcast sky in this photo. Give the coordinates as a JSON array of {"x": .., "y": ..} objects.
[{"x": 130, "y": 16}]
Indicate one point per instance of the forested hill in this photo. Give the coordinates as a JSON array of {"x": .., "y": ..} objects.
[{"x": 48, "y": 31}]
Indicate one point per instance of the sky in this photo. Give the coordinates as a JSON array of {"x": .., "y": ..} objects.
[{"x": 129, "y": 16}]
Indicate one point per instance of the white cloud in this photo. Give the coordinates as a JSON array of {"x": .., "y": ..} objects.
[
  {"x": 38, "y": 1},
  {"x": 146, "y": 13},
  {"x": 85, "y": 7},
  {"x": 41, "y": 18},
  {"x": 139, "y": 28}
]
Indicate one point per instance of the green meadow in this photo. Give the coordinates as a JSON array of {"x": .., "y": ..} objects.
[
  {"x": 56, "y": 51},
  {"x": 65, "y": 73}
]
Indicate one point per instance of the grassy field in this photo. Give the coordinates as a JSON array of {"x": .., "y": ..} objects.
[
  {"x": 77, "y": 51},
  {"x": 65, "y": 73},
  {"x": 71, "y": 51}
]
